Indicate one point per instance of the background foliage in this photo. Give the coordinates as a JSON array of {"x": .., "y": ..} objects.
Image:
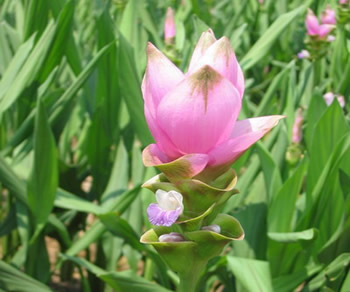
[{"x": 72, "y": 130}]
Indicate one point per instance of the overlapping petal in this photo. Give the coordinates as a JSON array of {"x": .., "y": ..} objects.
[
  {"x": 222, "y": 59},
  {"x": 312, "y": 24},
  {"x": 245, "y": 133},
  {"x": 161, "y": 76},
  {"x": 206, "y": 40},
  {"x": 200, "y": 112}
]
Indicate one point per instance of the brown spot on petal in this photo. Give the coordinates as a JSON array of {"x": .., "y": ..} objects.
[{"x": 204, "y": 81}]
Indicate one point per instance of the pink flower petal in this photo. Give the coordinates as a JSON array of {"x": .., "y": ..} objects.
[
  {"x": 324, "y": 30},
  {"x": 200, "y": 112},
  {"x": 312, "y": 24},
  {"x": 221, "y": 58},
  {"x": 161, "y": 76},
  {"x": 244, "y": 135},
  {"x": 186, "y": 166},
  {"x": 206, "y": 40},
  {"x": 329, "y": 16}
]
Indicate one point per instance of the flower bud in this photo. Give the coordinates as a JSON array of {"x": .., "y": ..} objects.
[
  {"x": 315, "y": 29},
  {"x": 171, "y": 237},
  {"x": 169, "y": 28},
  {"x": 214, "y": 228},
  {"x": 329, "y": 16},
  {"x": 304, "y": 54},
  {"x": 329, "y": 97},
  {"x": 297, "y": 131}
]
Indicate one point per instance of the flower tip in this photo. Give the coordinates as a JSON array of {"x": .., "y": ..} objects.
[{"x": 151, "y": 49}]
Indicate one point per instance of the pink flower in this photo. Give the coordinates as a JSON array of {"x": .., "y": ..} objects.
[
  {"x": 304, "y": 54},
  {"x": 169, "y": 28},
  {"x": 297, "y": 131},
  {"x": 329, "y": 16},
  {"x": 314, "y": 28},
  {"x": 192, "y": 116},
  {"x": 343, "y": 2},
  {"x": 329, "y": 97}
]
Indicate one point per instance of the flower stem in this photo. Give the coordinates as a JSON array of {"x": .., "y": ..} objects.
[{"x": 189, "y": 281}]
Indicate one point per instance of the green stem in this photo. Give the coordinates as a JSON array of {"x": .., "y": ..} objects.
[{"x": 189, "y": 281}]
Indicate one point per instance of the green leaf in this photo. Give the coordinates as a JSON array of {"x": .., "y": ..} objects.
[
  {"x": 254, "y": 275},
  {"x": 44, "y": 180},
  {"x": 121, "y": 228},
  {"x": 266, "y": 41},
  {"x": 36, "y": 17},
  {"x": 119, "y": 205},
  {"x": 131, "y": 90},
  {"x": 62, "y": 105},
  {"x": 120, "y": 281},
  {"x": 282, "y": 208},
  {"x": 329, "y": 130},
  {"x": 308, "y": 234},
  {"x": 273, "y": 180},
  {"x": 14, "y": 280},
  {"x": 28, "y": 72},
  {"x": 331, "y": 272},
  {"x": 58, "y": 47},
  {"x": 69, "y": 201},
  {"x": 290, "y": 282}
]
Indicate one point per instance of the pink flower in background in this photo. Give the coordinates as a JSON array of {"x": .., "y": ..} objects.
[
  {"x": 193, "y": 116},
  {"x": 329, "y": 16},
  {"x": 169, "y": 28},
  {"x": 304, "y": 54},
  {"x": 343, "y": 2},
  {"x": 329, "y": 97},
  {"x": 297, "y": 134},
  {"x": 261, "y": 1},
  {"x": 314, "y": 28}
]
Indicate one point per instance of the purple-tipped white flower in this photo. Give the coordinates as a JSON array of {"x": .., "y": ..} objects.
[
  {"x": 304, "y": 54},
  {"x": 212, "y": 227},
  {"x": 331, "y": 38},
  {"x": 171, "y": 237},
  {"x": 168, "y": 208}
]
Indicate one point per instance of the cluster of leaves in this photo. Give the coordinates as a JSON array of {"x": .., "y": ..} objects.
[{"x": 72, "y": 130}]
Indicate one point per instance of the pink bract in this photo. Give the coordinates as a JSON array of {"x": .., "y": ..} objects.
[
  {"x": 329, "y": 16},
  {"x": 314, "y": 28},
  {"x": 169, "y": 27},
  {"x": 193, "y": 116}
]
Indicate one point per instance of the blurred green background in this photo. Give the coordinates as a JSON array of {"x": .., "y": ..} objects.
[{"x": 72, "y": 130}]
